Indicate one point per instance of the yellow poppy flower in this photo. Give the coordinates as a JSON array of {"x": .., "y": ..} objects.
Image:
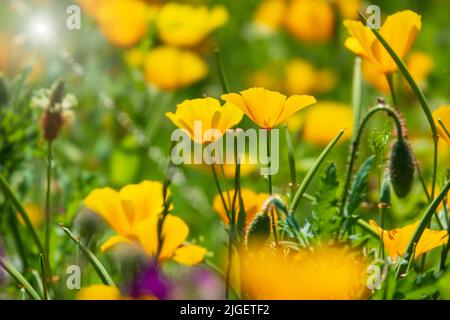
[
  {"x": 268, "y": 108},
  {"x": 419, "y": 65},
  {"x": 310, "y": 20},
  {"x": 324, "y": 273},
  {"x": 34, "y": 213},
  {"x": 270, "y": 14},
  {"x": 323, "y": 122},
  {"x": 209, "y": 113},
  {"x": 123, "y": 22},
  {"x": 134, "y": 212},
  {"x": 399, "y": 30},
  {"x": 442, "y": 113},
  {"x": 396, "y": 241},
  {"x": 253, "y": 203},
  {"x": 99, "y": 292},
  {"x": 185, "y": 25},
  {"x": 304, "y": 78},
  {"x": 170, "y": 68}
]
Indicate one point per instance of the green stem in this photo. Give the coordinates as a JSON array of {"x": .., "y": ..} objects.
[
  {"x": 291, "y": 158},
  {"x": 356, "y": 93},
  {"x": 16, "y": 275},
  {"x": 93, "y": 260},
  {"x": 355, "y": 147},
  {"x": 424, "y": 222},
  {"x": 13, "y": 224},
  {"x": 9, "y": 194},
  {"x": 367, "y": 227},
  {"x": 309, "y": 176},
  {"x": 223, "y": 81},
  {"x": 44, "y": 277},
  {"x": 48, "y": 216},
  {"x": 390, "y": 81},
  {"x": 442, "y": 266},
  {"x": 219, "y": 189},
  {"x": 269, "y": 175}
]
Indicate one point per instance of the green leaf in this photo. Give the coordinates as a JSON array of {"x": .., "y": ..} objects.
[
  {"x": 358, "y": 190},
  {"x": 93, "y": 260},
  {"x": 325, "y": 208}
]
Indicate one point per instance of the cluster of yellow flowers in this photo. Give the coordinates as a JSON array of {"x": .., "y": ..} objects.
[
  {"x": 324, "y": 272},
  {"x": 174, "y": 61}
]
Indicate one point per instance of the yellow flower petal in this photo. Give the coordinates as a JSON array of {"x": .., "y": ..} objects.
[
  {"x": 98, "y": 292},
  {"x": 442, "y": 113},
  {"x": 106, "y": 203},
  {"x": 189, "y": 254},
  {"x": 114, "y": 240}
]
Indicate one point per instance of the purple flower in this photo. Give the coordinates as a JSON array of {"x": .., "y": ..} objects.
[{"x": 150, "y": 282}]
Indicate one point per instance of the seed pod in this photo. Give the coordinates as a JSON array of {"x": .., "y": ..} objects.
[
  {"x": 52, "y": 119},
  {"x": 401, "y": 165},
  {"x": 258, "y": 230}
]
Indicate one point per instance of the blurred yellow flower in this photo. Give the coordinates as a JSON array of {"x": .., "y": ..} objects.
[
  {"x": 135, "y": 57},
  {"x": 399, "y": 30},
  {"x": 253, "y": 203},
  {"x": 442, "y": 113},
  {"x": 348, "y": 8},
  {"x": 209, "y": 113},
  {"x": 325, "y": 273},
  {"x": 34, "y": 213},
  {"x": 268, "y": 108},
  {"x": 185, "y": 25},
  {"x": 98, "y": 292},
  {"x": 304, "y": 78},
  {"x": 419, "y": 65},
  {"x": 269, "y": 14},
  {"x": 396, "y": 241},
  {"x": 323, "y": 122},
  {"x": 123, "y": 22},
  {"x": 91, "y": 7},
  {"x": 310, "y": 20},
  {"x": 134, "y": 212},
  {"x": 170, "y": 68}
]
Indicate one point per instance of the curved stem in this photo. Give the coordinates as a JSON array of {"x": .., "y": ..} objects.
[
  {"x": 355, "y": 146},
  {"x": 48, "y": 216}
]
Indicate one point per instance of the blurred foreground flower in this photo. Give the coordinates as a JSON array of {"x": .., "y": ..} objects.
[
  {"x": 208, "y": 113},
  {"x": 323, "y": 122},
  {"x": 134, "y": 213},
  {"x": 170, "y": 68},
  {"x": 150, "y": 284},
  {"x": 184, "y": 25},
  {"x": 399, "y": 30},
  {"x": 324, "y": 273},
  {"x": 270, "y": 14},
  {"x": 268, "y": 108},
  {"x": 98, "y": 292},
  {"x": 396, "y": 241},
  {"x": 443, "y": 114},
  {"x": 253, "y": 203},
  {"x": 303, "y": 78}
]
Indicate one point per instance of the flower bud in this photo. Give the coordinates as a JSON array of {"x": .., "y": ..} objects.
[
  {"x": 258, "y": 230},
  {"x": 401, "y": 165}
]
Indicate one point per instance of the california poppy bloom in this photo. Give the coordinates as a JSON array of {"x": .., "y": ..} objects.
[
  {"x": 209, "y": 113},
  {"x": 184, "y": 25},
  {"x": 123, "y": 22},
  {"x": 268, "y": 108},
  {"x": 169, "y": 68},
  {"x": 134, "y": 212},
  {"x": 399, "y": 30},
  {"x": 324, "y": 273},
  {"x": 397, "y": 240}
]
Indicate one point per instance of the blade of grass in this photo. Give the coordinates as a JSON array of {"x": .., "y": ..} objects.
[
  {"x": 309, "y": 176},
  {"x": 93, "y": 260},
  {"x": 16, "y": 275}
]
